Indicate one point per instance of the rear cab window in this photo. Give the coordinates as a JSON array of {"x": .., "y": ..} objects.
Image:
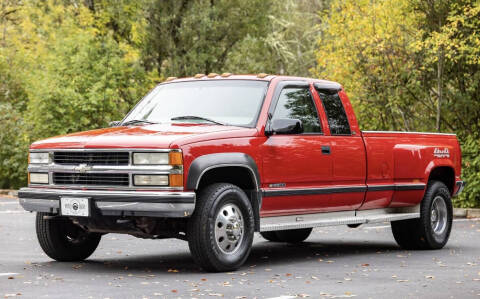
[{"x": 336, "y": 116}]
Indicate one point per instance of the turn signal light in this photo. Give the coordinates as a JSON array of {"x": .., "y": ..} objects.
[
  {"x": 175, "y": 158},
  {"x": 176, "y": 180}
]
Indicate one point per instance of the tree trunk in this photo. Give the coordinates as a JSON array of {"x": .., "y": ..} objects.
[{"x": 440, "y": 63}]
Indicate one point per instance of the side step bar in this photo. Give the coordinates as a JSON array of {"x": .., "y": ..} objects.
[{"x": 338, "y": 218}]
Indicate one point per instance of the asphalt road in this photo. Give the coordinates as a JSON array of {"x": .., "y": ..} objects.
[{"x": 336, "y": 262}]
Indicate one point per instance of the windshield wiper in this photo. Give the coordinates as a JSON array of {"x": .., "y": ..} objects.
[
  {"x": 137, "y": 121},
  {"x": 197, "y": 117}
]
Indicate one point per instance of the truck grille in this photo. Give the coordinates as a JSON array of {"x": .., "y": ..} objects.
[
  {"x": 91, "y": 179},
  {"x": 91, "y": 158}
]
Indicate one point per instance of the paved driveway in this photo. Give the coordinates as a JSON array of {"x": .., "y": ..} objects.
[{"x": 335, "y": 262}]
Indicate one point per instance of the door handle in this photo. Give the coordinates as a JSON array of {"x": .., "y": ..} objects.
[{"x": 325, "y": 149}]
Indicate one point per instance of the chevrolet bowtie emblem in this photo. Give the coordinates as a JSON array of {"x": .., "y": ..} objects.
[{"x": 82, "y": 168}]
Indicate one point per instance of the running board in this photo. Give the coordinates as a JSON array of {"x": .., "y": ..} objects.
[{"x": 338, "y": 218}]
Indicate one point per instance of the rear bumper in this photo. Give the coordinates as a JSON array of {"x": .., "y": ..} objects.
[
  {"x": 459, "y": 185},
  {"x": 113, "y": 203}
]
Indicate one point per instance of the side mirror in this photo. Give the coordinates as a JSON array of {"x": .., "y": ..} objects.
[
  {"x": 286, "y": 126},
  {"x": 114, "y": 123}
]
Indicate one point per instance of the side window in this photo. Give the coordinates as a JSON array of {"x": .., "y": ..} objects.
[
  {"x": 297, "y": 103},
  {"x": 337, "y": 118}
]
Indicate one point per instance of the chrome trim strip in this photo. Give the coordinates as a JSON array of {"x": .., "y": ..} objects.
[
  {"x": 117, "y": 188},
  {"x": 160, "y": 169},
  {"x": 429, "y": 133},
  {"x": 110, "y": 193}
]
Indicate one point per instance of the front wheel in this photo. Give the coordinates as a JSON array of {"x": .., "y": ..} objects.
[
  {"x": 432, "y": 229},
  {"x": 220, "y": 231},
  {"x": 64, "y": 241}
]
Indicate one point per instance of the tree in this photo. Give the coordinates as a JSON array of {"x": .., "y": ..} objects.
[
  {"x": 187, "y": 37},
  {"x": 367, "y": 46}
]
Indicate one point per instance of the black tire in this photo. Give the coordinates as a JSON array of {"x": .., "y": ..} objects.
[
  {"x": 424, "y": 232},
  {"x": 204, "y": 245},
  {"x": 64, "y": 241},
  {"x": 270, "y": 236},
  {"x": 293, "y": 235}
]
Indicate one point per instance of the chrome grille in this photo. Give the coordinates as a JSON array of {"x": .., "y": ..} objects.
[
  {"x": 91, "y": 179},
  {"x": 91, "y": 158}
]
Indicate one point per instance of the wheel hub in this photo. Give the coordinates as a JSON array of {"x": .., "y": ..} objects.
[
  {"x": 234, "y": 231},
  {"x": 229, "y": 228},
  {"x": 438, "y": 215}
]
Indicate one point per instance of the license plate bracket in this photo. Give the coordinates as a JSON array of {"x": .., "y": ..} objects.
[{"x": 75, "y": 206}]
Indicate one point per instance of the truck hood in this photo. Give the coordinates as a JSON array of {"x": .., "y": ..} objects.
[{"x": 147, "y": 136}]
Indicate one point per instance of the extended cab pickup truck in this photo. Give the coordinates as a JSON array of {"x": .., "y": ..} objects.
[{"x": 213, "y": 159}]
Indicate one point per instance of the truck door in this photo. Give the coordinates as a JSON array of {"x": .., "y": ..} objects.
[
  {"x": 297, "y": 168},
  {"x": 347, "y": 151}
]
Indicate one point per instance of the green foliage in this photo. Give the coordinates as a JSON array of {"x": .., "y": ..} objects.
[
  {"x": 470, "y": 173},
  {"x": 15, "y": 142},
  {"x": 409, "y": 65},
  {"x": 187, "y": 37},
  {"x": 68, "y": 65}
]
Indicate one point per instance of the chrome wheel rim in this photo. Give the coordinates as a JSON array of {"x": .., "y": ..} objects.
[
  {"x": 438, "y": 215},
  {"x": 229, "y": 228}
]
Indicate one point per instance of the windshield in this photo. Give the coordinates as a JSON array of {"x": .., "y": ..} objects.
[{"x": 230, "y": 102}]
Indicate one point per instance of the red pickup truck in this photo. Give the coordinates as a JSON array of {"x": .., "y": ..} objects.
[{"x": 213, "y": 159}]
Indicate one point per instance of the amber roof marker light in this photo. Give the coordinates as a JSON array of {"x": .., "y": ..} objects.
[
  {"x": 170, "y": 79},
  {"x": 212, "y": 75},
  {"x": 198, "y": 76},
  {"x": 226, "y": 75},
  {"x": 262, "y": 75}
]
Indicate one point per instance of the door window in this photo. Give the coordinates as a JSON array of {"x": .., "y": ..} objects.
[
  {"x": 297, "y": 103},
  {"x": 337, "y": 118}
]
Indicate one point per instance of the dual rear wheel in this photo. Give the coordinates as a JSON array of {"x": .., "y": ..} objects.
[{"x": 432, "y": 229}]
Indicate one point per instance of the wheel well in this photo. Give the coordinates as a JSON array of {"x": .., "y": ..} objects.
[
  {"x": 443, "y": 174},
  {"x": 238, "y": 176}
]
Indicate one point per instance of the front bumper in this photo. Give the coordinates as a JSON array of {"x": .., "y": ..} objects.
[{"x": 113, "y": 203}]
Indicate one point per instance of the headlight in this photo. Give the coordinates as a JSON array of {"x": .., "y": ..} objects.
[
  {"x": 150, "y": 180},
  {"x": 150, "y": 158},
  {"x": 38, "y": 178},
  {"x": 39, "y": 158}
]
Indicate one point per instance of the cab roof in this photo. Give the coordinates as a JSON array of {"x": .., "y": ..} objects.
[{"x": 262, "y": 77}]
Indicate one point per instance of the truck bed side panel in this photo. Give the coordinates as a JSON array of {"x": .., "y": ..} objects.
[{"x": 398, "y": 164}]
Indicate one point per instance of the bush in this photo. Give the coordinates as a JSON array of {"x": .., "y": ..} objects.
[
  {"x": 470, "y": 197},
  {"x": 15, "y": 142}
]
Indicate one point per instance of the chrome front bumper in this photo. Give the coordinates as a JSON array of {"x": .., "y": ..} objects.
[{"x": 113, "y": 203}]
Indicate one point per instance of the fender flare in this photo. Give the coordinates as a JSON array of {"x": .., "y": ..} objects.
[{"x": 204, "y": 163}]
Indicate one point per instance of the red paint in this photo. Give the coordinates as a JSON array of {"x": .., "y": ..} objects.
[{"x": 363, "y": 159}]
